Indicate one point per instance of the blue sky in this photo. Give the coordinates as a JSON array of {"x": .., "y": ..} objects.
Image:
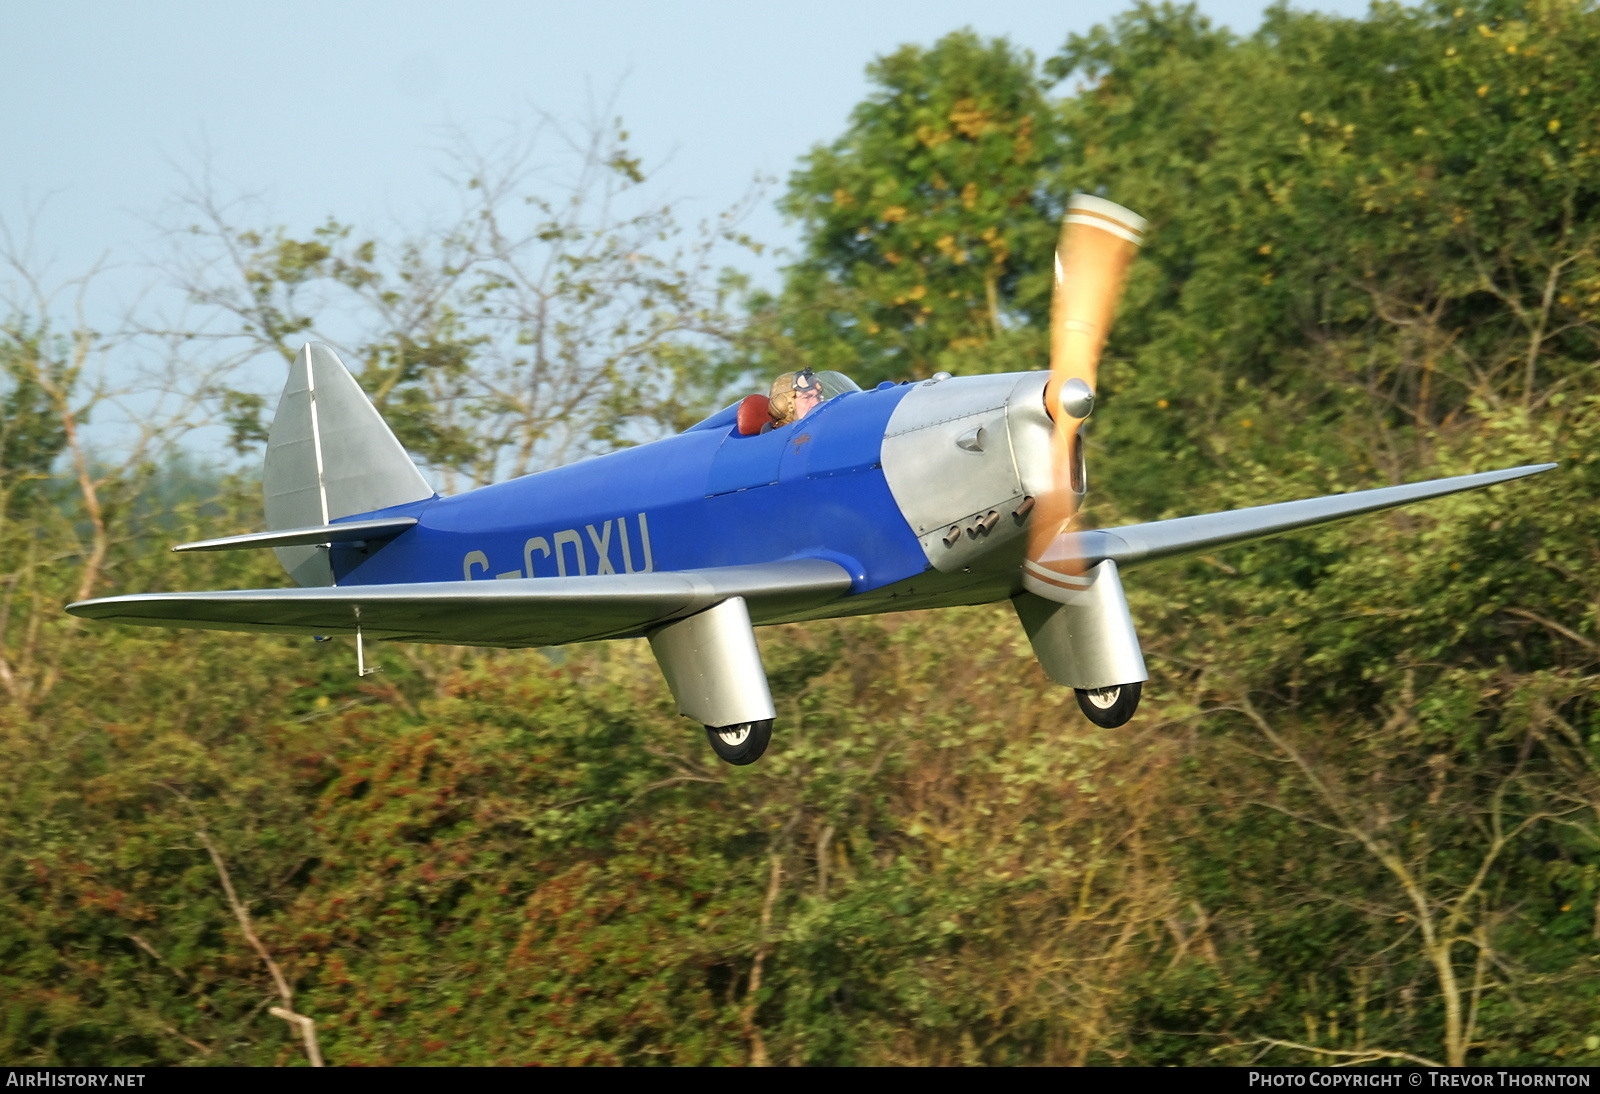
[{"x": 338, "y": 108}]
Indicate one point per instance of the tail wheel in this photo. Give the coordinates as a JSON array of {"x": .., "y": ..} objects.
[
  {"x": 1109, "y": 707},
  {"x": 740, "y": 744}
]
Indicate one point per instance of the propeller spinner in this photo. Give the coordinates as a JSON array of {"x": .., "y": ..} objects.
[{"x": 1098, "y": 242}]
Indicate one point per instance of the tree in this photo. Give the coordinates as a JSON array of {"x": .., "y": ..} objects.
[
  {"x": 928, "y": 233},
  {"x": 1367, "y": 234},
  {"x": 65, "y": 499},
  {"x": 564, "y": 312}
]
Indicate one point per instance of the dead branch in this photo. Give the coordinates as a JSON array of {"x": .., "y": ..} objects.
[
  {"x": 1444, "y": 921},
  {"x": 1353, "y": 1057},
  {"x": 747, "y": 1017},
  {"x": 308, "y": 1028},
  {"x": 1565, "y": 632}
]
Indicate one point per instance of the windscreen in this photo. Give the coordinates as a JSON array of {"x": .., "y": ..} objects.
[{"x": 834, "y": 383}]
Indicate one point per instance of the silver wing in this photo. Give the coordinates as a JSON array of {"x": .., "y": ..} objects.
[
  {"x": 545, "y": 611},
  {"x": 1139, "y": 543}
]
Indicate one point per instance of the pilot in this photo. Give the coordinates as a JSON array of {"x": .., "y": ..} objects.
[{"x": 794, "y": 395}]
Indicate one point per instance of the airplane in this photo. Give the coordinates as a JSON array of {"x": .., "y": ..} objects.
[{"x": 953, "y": 490}]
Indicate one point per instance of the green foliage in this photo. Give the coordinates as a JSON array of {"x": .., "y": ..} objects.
[
  {"x": 532, "y": 863},
  {"x": 927, "y": 231},
  {"x": 31, "y": 433},
  {"x": 1358, "y": 243}
]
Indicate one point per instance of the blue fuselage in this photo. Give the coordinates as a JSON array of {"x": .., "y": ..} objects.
[{"x": 707, "y": 497}]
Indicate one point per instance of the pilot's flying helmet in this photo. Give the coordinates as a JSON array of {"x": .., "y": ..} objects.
[{"x": 782, "y": 403}]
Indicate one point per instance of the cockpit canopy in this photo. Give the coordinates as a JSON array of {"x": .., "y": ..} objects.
[
  {"x": 834, "y": 383},
  {"x": 750, "y": 414}
]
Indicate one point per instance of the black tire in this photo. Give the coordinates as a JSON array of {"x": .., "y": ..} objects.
[
  {"x": 741, "y": 744},
  {"x": 1109, "y": 707}
]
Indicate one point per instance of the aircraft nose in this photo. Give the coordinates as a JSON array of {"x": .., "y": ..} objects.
[
  {"x": 1029, "y": 428},
  {"x": 948, "y": 459}
]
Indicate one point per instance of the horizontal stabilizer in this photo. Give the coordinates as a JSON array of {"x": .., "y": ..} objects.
[
  {"x": 543, "y": 611},
  {"x": 352, "y": 531},
  {"x": 1139, "y": 543}
]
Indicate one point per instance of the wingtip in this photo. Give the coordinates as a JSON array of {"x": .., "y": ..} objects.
[{"x": 1529, "y": 469}]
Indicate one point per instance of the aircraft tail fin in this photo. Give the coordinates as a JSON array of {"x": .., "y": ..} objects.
[{"x": 330, "y": 454}]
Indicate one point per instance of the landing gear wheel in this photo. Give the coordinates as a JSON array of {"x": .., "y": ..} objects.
[
  {"x": 741, "y": 744},
  {"x": 1109, "y": 707}
]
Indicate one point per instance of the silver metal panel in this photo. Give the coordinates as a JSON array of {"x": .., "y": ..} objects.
[
  {"x": 291, "y": 476},
  {"x": 364, "y": 466},
  {"x": 291, "y": 481},
  {"x": 941, "y": 474},
  {"x": 1031, "y": 430},
  {"x": 933, "y": 402},
  {"x": 713, "y": 667},
  {"x": 1083, "y": 638},
  {"x": 999, "y": 549},
  {"x": 353, "y": 531},
  {"x": 307, "y": 567},
  {"x": 330, "y": 454},
  {"x": 1140, "y": 543},
  {"x": 545, "y": 611}
]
